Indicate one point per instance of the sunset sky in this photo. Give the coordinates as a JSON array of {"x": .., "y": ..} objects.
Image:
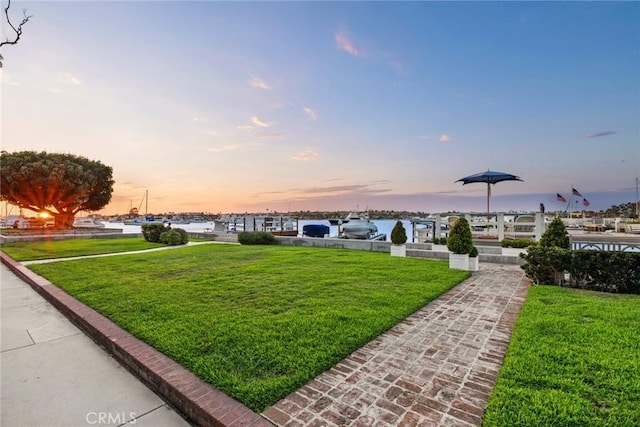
[{"x": 254, "y": 106}]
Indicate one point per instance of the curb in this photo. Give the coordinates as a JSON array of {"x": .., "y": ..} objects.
[{"x": 197, "y": 401}]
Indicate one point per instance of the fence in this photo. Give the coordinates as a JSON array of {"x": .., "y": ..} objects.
[{"x": 605, "y": 243}]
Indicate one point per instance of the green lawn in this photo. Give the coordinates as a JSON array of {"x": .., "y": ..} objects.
[
  {"x": 574, "y": 360},
  {"x": 27, "y": 251},
  {"x": 257, "y": 322}
]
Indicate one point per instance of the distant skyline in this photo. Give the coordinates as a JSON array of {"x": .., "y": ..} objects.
[{"x": 278, "y": 106}]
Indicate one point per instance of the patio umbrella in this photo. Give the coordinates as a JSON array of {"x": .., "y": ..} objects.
[{"x": 488, "y": 177}]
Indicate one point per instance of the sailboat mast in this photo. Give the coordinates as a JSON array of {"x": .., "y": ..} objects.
[
  {"x": 637, "y": 198},
  {"x": 146, "y": 199}
]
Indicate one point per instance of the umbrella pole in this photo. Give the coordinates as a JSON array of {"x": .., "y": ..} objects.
[{"x": 488, "y": 210}]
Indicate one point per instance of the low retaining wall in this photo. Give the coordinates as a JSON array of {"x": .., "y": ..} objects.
[
  {"x": 414, "y": 250},
  {"x": 363, "y": 245}
]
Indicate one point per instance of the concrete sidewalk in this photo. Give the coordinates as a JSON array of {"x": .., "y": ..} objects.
[{"x": 54, "y": 375}]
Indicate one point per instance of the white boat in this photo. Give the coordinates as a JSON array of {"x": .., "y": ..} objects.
[
  {"x": 140, "y": 220},
  {"x": 87, "y": 222},
  {"x": 358, "y": 227}
]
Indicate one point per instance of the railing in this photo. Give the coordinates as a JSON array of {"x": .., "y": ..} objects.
[
  {"x": 606, "y": 243},
  {"x": 525, "y": 226}
]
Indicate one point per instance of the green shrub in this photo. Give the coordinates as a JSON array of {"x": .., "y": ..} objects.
[
  {"x": 546, "y": 265},
  {"x": 152, "y": 231},
  {"x": 606, "y": 271},
  {"x": 555, "y": 235},
  {"x": 517, "y": 243},
  {"x": 460, "y": 240},
  {"x": 184, "y": 236},
  {"x": 398, "y": 234},
  {"x": 474, "y": 252},
  {"x": 256, "y": 238},
  {"x": 171, "y": 238},
  {"x": 439, "y": 240}
]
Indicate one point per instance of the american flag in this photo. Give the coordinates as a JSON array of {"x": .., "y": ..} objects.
[
  {"x": 585, "y": 202},
  {"x": 560, "y": 198},
  {"x": 576, "y": 192}
]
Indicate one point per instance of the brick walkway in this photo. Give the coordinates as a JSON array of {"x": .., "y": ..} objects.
[{"x": 436, "y": 368}]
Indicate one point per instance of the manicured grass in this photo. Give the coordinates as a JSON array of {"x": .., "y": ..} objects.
[
  {"x": 257, "y": 322},
  {"x": 574, "y": 360},
  {"x": 27, "y": 251}
]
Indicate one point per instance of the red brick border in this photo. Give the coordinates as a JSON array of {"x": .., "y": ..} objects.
[{"x": 194, "y": 399}]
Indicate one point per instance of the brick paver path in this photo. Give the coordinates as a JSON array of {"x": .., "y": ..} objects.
[{"x": 436, "y": 368}]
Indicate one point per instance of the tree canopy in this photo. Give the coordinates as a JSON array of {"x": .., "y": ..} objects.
[{"x": 59, "y": 184}]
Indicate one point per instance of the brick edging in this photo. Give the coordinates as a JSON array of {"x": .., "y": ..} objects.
[{"x": 194, "y": 399}]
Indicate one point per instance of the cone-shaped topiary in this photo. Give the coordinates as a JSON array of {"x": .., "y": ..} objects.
[
  {"x": 398, "y": 234},
  {"x": 459, "y": 240},
  {"x": 555, "y": 235}
]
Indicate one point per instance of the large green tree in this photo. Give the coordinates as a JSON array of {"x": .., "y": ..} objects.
[{"x": 60, "y": 184}]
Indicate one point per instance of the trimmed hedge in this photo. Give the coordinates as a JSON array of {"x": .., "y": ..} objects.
[
  {"x": 256, "y": 238},
  {"x": 517, "y": 243},
  {"x": 160, "y": 233},
  {"x": 171, "y": 238},
  {"x": 398, "y": 234},
  {"x": 546, "y": 265},
  {"x": 617, "y": 272},
  {"x": 152, "y": 231},
  {"x": 460, "y": 240}
]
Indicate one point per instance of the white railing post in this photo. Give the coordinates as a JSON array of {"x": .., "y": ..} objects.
[
  {"x": 539, "y": 226},
  {"x": 436, "y": 226},
  {"x": 500, "y": 227}
]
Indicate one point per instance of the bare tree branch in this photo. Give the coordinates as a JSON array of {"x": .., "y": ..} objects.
[{"x": 17, "y": 30}]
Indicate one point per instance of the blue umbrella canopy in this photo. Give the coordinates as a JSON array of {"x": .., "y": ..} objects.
[{"x": 489, "y": 177}]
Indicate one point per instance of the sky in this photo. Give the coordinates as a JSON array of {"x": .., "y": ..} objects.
[{"x": 269, "y": 106}]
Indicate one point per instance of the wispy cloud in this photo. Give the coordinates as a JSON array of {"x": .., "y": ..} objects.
[
  {"x": 599, "y": 134},
  {"x": 343, "y": 43},
  {"x": 268, "y": 135},
  {"x": 310, "y": 113},
  {"x": 335, "y": 190},
  {"x": 227, "y": 147},
  {"x": 256, "y": 121},
  {"x": 445, "y": 138},
  {"x": 259, "y": 83},
  {"x": 305, "y": 155},
  {"x": 71, "y": 79}
]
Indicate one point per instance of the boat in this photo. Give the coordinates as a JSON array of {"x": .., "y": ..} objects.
[
  {"x": 276, "y": 225},
  {"x": 87, "y": 222},
  {"x": 315, "y": 230},
  {"x": 358, "y": 227},
  {"x": 338, "y": 221},
  {"x": 139, "y": 220}
]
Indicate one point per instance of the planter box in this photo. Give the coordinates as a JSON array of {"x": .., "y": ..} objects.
[
  {"x": 399, "y": 250},
  {"x": 459, "y": 261},
  {"x": 473, "y": 263}
]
